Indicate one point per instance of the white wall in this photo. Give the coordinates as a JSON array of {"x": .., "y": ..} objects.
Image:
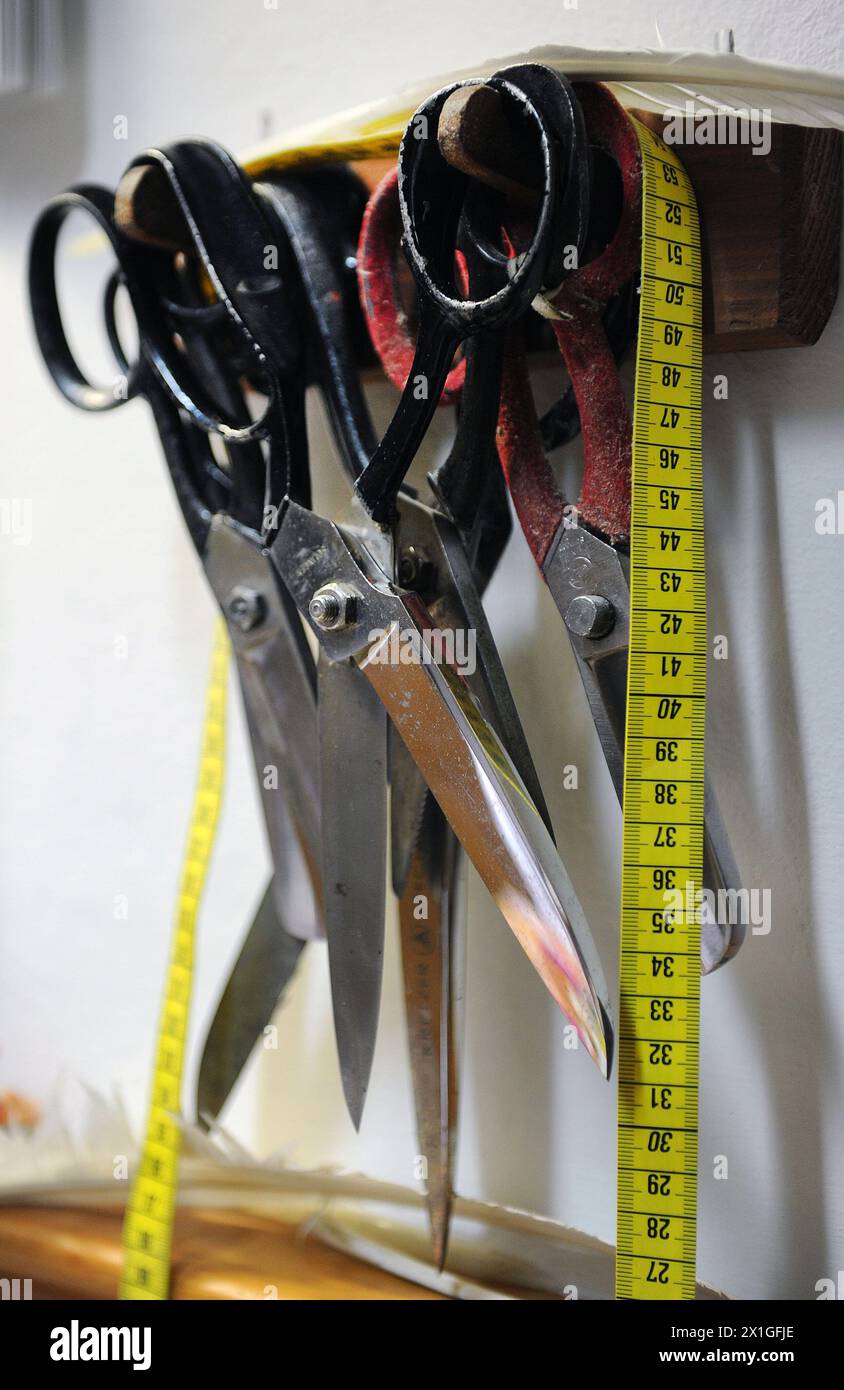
[{"x": 99, "y": 754}]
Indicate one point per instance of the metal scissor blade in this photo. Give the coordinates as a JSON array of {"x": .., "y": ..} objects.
[
  {"x": 353, "y": 783},
  {"x": 262, "y": 971},
  {"x": 425, "y": 865},
  {"x": 431, "y": 945},
  {"x": 487, "y": 806},
  {"x": 279, "y": 691},
  {"x": 580, "y": 566},
  {"x": 460, "y": 757},
  {"x": 296, "y": 882},
  {"x": 260, "y": 976},
  {"x": 458, "y": 609},
  {"x": 408, "y": 797}
]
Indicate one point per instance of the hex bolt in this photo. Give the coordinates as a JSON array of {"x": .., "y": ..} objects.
[
  {"x": 589, "y": 615},
  {"x": 246, "y": 607},
  {"x": 333, "y": 607}
]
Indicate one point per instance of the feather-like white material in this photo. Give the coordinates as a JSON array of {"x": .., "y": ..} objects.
[
  {"x": 78, "y": 1157},
  {"x": 650, "y": 78}
]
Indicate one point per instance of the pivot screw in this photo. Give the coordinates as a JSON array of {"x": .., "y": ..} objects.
[
  {"x": 246, "y": 607},
  {"x": 415, "y": 570},
  {"x": 588, "y": 615},
  {"x": 333, "y": 606}
]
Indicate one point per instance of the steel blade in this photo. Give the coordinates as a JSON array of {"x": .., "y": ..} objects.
[
  {"x": 257, "y": 983},
  {"x": 277, "y": 678},
  {"x": 353, "y": 782},
  {"x": 579, "y": 567},
  {"x": 431, "y": 942},
  {"x": 455, "y": 603}
]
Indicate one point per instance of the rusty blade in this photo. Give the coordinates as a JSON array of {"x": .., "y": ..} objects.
[{"x": 431, "y": 949}]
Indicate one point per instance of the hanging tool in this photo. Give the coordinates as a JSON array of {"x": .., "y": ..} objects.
[
  {"x": 429, "y": 552},
  {"x": 424, "y": 860},
  {"x": 232, "y": 240},
  {"x": 276, "y": 546},
  {"x": 585, "y": 564},
  {"x": 581, "y": 551},
  {"x": 221, "y": 510},
  {"x": 341, "y": 578}
]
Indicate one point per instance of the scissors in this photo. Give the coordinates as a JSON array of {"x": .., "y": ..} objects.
[
  {"x": 222, "y": 510},
  {"x": 317, "y": 219},
  {"x": 254, "y": 986},
  {"x": 424, "y": 861},
  {"x": 424, "y": 852},
  {"x": 536, "y": 908},
  {"x": 582, "y": 552},
  {"x": 342, "y": 578}
]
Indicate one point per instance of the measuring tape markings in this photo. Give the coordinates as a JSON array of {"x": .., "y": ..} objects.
[
  {"x": 658, "y": 1052},
  {"x": 148, "y": 1224}
]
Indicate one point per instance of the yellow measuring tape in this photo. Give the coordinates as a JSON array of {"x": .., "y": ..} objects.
[
  {"x": 663, "y": 764},
  {"x": 148, "y": 1225}
]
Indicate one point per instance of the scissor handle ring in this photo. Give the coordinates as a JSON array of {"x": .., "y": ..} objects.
[
  {"x": 429, "y": 242},
  {"x": 252, "y": 304},
  {"x": 378, "y": 287},
  {"x": 609, "y": 127},
  {"x": 110, "y": 316},
  {"x": 98, "y": 204}
]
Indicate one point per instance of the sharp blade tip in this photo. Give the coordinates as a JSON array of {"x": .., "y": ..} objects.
[{"x": 355, "y": 1096}]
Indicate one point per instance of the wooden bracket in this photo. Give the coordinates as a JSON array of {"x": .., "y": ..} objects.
[
  {"x": 770, "y": 233},
  {"x": 770, "y": 223}
]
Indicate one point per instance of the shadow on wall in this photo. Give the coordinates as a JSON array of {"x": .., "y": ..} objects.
[{"x": 756, "y": 755}]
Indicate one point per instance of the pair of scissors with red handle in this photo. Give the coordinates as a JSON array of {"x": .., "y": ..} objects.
[{"x": 582, "y": 549}]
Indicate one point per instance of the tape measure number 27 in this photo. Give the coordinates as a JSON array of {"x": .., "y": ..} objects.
[{"x": 659, "y": 1011}]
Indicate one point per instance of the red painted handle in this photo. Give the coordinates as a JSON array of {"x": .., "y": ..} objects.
[
  {"x": 605, "y": 422},
  {"x": 378, "y": 287},
  {"x": 604, "y": 415},
  {"x": 539, "y": 504}
]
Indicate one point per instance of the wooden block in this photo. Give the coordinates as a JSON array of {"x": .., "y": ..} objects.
[
  {"x": 770, "y": 231},
  {"x": 770, "y": 223},
  {"x": 770, "y": 227}
]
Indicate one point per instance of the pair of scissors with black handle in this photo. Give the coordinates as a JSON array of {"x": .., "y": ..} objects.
[{"x": 223, "y": 508}]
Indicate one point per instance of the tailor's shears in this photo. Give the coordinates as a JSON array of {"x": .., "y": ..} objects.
[
  {"x": 223, "y": 512},
  {"x": 343, "y": 580},
  {"x": 586, "y": 565},
  {"x": 582, "y": 552},
  {"x": 429, "y": 553}
]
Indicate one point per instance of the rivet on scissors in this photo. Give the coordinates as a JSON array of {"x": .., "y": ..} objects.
[
  {"x": 589, "y": 615},
  {"x": 415, "y": 570},
  {"x": 246, "y": 607}
]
